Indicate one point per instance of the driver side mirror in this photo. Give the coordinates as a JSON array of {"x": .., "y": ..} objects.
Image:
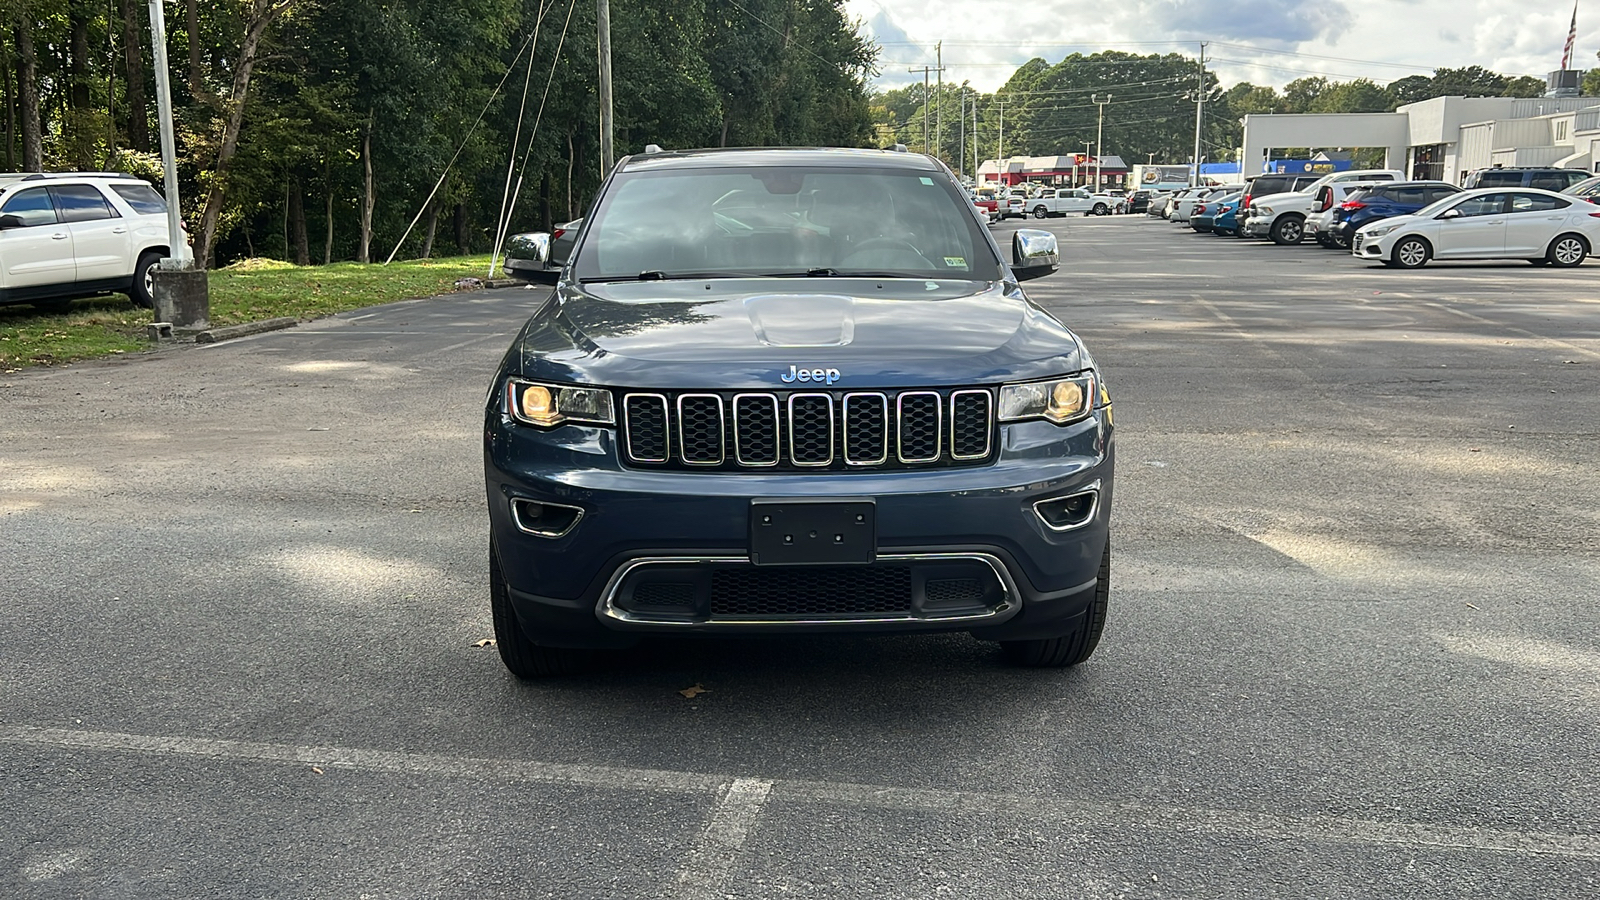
[
  {"x": 1034, "y": 254},
  {"x": 1451, "y": 213},
  {"x": 10, "y": 221},
  {"x": 528, "y": 258}
]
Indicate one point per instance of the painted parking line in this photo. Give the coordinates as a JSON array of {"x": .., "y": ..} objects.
[{"x": 740, "y": 800}]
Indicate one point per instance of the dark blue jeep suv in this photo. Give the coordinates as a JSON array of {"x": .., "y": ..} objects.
[{"x": 780, "y": 391}]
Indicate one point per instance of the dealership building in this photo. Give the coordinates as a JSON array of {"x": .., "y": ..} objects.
[
  {"x": 1074, "y": 170},
  {"x": 1446, "y": 137}
]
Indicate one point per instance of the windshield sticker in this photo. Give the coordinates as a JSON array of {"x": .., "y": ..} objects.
[
  {"x": 926, "y": 180},
  {"x": 955, "y": 262}
]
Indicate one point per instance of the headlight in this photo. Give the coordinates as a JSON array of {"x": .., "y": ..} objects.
[
  {"x": 549, "y": 405},
  {"x": 1061, "y": 401},
  {"x": 1380, "y": 230},
  {"x": 1264, "y": 210}
]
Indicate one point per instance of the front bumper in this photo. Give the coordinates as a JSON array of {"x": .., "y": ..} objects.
[
  {"x": 974, "y": 524},
  {"x": 1368, "y": 247},
  {"x": 1256, "y": 225}
]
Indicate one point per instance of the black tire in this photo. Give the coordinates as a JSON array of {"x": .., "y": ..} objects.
[
  {"x": 1567, "y": 251},
  {"x": 1288, "y": 230},
  {"x": 140, "y": 292},
  {"x": 1410, "y": 253},
  {"x": 523, "y": 657},
  {"x": 1039, "y": 212},
  {"x": 1100, "y": 209},
  {"x": 1075, "y": 646},
  {"x": 1324, "y": 241},
  {"x": 1341, "y": 241}
]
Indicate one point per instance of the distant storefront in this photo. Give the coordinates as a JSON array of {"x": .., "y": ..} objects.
[{"x": 1075, "y": 170}]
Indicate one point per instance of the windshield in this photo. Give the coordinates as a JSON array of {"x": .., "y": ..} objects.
[{"x": 784, "y": 221}]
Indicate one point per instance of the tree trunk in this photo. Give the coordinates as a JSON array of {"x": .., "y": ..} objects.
[
  {"x": 28, "y": 94},
  {"x": 364, "y": 253},
  {"x": 81, "y": 140},
  {"x": 262, "y": 13},
  {"x": 11, "y": 122},
  {"x": 133, "y": 50},
  {"x": 297, "y": 223},
  {"x": 327, "y": 187},
  {"x": 192, "y": 27},
  {"x": 433, "y": 225},
  {"x": 460, "y": 221},
  {"x": 545, "y": 223}
]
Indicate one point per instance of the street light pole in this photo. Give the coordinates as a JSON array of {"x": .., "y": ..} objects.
[
  {"x": 178, "y": 288},
  {"x": 1199, "y": 112},
  {"x": 1099, "y": 135},
  {"x": 181, "y": 256},
  {"x": 602, "y": 24}
]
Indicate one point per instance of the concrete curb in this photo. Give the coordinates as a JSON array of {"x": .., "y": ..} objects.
[{"x": 213, "y": 335}]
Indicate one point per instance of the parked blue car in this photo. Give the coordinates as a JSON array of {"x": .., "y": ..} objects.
[
  {"x": 1383, "y": 201},
  {"x": 1227, "y": 220},
  {"x": 1204, "y": 217}
]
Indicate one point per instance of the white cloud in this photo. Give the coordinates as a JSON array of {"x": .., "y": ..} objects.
[{"x": 985, "y": 40}]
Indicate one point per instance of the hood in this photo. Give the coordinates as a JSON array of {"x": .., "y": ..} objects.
[{"x": 760, "y": 333}]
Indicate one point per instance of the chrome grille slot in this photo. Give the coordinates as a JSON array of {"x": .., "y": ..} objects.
[
  {"x": 755, "y": 429},
  {"x": 920, "y": 415},
  {"x": 645, "y": 423},
  {"x": 818, "y": 430},
  {"x": 969, "y": 424},
  {"x": 700, "y": 429},
  {"x": 811, "y": 429},
  {"x": 866, "y": 429}
]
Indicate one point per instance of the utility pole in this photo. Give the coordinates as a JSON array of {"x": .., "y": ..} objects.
[
  {"x": 961, "y": 130},
  {"x": 178, "y": 287},
  {"x": 602, "y": 24},
  {"x": 974, "y": 139},
  {"x": 1099, "y": 135},
  {"x": 1000, "y": 143},
  {"x": 938, "y": 109},
  {"x": 1199, "y": 112},
  {"x": 1086, "y": 160}
]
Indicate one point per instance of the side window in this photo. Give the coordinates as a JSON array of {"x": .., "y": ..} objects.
[
  {"x": 1409, "y": 195},
  {"x": 32, "y": 206},
  {"x": 1549, "y": 181},
  {"x": 81, "y": 203},
  {"x": 1575, "y": 176},
  {"x": 1487, "y": 205},
  {"x": 1500, "y": 179},
  {"x": 1521, "y": 203},
  {"x": 143, "y": 198},
  {"x": 1436, "y": 194}
]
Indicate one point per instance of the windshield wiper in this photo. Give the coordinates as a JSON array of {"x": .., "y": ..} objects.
[{"x": 658, "y": 275}]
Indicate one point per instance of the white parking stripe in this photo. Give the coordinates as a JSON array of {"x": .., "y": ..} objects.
[
  {"x": 741, "y": 800},
  {"x": 709, "y": 867}
]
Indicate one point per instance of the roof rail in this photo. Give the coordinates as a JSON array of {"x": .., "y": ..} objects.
[{"x": 45, "y": 176}]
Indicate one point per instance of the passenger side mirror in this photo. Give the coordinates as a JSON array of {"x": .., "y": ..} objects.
[
  {"x": 1034, "y": 253},
  {"x": 1451, "y": 213},
  {"x": 10, "y": 221},
  {"x": 528, "y": 258}
]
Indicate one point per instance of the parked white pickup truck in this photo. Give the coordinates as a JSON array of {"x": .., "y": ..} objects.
[
  {"x": 1060, "y": 202},
  {"x": 1282, "y": 217}
]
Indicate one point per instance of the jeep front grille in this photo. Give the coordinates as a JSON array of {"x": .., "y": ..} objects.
[{"x": 809, "y": 430}]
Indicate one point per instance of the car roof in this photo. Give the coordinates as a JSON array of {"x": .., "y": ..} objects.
[{"x": 809, "y": 157}]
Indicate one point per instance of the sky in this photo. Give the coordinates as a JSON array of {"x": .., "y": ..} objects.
[{"x": 1260, "y": 41}]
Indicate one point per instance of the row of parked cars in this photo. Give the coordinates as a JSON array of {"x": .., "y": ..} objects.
[{"x": 1546, "y": 216}]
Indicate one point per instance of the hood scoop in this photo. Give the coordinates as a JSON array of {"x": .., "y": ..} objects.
[{"x": 802, "y": 320}]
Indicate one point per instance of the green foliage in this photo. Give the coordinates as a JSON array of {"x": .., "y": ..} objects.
[{"x": 416, "y": 74}]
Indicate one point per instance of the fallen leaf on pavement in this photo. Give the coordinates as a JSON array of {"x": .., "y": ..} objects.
[
  {"x": 486, "y": 642},
  {"x": 693, "y": 692},
  {"x": 316, "y": 770}
]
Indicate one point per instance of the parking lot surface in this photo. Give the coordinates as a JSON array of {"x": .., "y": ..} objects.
[{"x": 1352, "y": 647}]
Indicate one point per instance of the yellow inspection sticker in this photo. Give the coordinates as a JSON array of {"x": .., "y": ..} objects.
[{"x": 956, "y": 262}]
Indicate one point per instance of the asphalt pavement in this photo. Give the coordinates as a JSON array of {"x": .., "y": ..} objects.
[{"x": 1351, "y": 652}]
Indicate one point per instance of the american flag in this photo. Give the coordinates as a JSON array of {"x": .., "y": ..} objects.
[{"x": 1572, "y": 35}]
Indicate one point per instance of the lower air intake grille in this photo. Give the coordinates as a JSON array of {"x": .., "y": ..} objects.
[{"x": 810, "y": 592}]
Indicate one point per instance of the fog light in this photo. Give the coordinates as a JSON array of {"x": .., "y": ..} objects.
[
  {"x": 1069, "y": 512},
  {"x": 546, "y": 520}
]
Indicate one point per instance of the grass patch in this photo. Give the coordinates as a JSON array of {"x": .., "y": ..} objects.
[{"x": 243, "y": 292}]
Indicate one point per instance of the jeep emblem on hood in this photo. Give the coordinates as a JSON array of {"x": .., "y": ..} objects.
[{"x": 819, "y": 375}]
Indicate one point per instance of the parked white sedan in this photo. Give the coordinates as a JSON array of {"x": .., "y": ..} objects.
[{"x": 1543, "y": 227}]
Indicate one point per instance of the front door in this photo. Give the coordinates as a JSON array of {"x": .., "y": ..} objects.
[
  {"x": 1478, "y": 230},
  {"x": 37, "y": 250}
]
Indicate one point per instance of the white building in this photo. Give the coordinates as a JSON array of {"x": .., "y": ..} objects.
[{"x": 1446, "y": 137}]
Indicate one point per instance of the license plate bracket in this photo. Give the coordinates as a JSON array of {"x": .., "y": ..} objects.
[{"x": 813, "y": 532}]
